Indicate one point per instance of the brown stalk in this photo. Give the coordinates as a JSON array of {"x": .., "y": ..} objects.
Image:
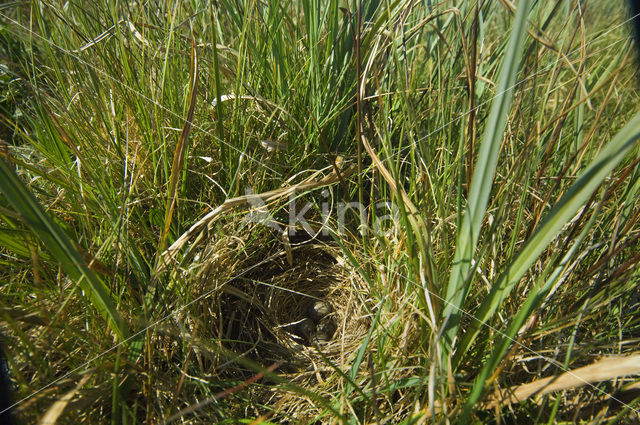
[
  {"x": 603, "y": 370},
  {"x": 57, "y": 408},
  {"x": 178, "y": 158},
  {"x": 579, "y": 153},
  {"x": 420, "y": 226},
  {"x": 359, "y": 89},
  {"x": 223, "y": 394},
  {"x": 471, "y": 75}
]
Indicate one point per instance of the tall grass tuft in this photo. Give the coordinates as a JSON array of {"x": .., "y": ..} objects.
[{"x": 487, "y": 272}]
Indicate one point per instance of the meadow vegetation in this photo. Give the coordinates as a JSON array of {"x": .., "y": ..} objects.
[{"x": 151, "y": 152}]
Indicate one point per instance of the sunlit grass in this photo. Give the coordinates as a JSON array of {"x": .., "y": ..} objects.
[{"x": 504, "y": 135}]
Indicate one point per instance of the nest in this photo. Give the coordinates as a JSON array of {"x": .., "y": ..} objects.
[{"x": 264, "y": 309}]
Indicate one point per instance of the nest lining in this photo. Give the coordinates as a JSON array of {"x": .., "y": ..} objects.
[{"x": 259, "y": 315}]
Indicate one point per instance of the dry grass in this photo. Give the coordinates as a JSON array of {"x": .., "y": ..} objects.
[
  {"x": 257, "y": 315},
  {"x": 290, "y": 99}
]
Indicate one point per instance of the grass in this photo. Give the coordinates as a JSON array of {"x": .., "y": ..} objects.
[{"x": 503, "y": 136}]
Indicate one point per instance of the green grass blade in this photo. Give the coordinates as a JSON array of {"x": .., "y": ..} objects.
[
  {"x": 577, "y": 195},
  {"x": 61, "y": 247},
  {"x": 180, "y": 152},
  {"x": 483, "y": 177},
  {"x": 533, "y": 301}
]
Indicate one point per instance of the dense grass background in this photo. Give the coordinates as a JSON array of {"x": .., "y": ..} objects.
[{"x": 504, "y": 133}]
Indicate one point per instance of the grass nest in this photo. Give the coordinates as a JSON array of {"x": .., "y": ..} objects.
[{"x": 297, "y": 305}]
